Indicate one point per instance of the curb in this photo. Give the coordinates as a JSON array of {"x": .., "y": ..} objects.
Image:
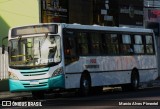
[{"x": 9, "y": 95}]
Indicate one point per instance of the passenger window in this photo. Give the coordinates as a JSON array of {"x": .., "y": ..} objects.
[
  {"x": 138, "y": 39},
  {"x": 126, "y": 46},
  {"x": 138, "y": 45},
  {"x": 82, "y": 43},
  {"x": 149, "y": 44},
  {"x": 111, "y": 41},
  {"x": 95, "y": 45},
  {"x": 69, "y": 47},
  {"x": 126, "y": 39}
]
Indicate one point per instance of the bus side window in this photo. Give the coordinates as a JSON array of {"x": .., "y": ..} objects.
[
  {"x": 112, "y": 44},
  {"x": 95, "y": 43},
  {"x": 126, "y": 44},
  {"x": 138, "y": 45},
  {"x": 149, "y": 44},
  {"x": 82, "y": 42},
  {"x": 69, "y": 48}
]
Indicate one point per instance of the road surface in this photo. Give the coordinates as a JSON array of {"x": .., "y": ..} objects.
[{"x": 144, "y": 98}]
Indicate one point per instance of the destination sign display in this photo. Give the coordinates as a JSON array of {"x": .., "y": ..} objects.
[{"x": 34, "y": 29}]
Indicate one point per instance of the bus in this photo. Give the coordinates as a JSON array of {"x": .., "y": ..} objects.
[{"x": 59, "y": 56}]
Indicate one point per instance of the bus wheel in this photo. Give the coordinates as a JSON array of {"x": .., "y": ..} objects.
[
  {"x": 38, "y": 94},
  {"x": 85, "y": 85},
  {"x": 134, "y": 80}
]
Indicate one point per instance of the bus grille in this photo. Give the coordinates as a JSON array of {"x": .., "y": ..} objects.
[
  {"x": 33, "y": 72},
  {"x": 27, "y": 85}
]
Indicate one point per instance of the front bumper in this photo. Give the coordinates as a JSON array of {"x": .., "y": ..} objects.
[{"x": 41, "y": 84}]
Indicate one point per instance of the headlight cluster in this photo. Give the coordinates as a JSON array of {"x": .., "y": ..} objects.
[
  {"x": 12, "y": 75},
  {"x": 58, "y": 71}
]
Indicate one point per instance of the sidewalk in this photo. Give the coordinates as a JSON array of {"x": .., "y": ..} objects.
[
  {"x": 4, "y": 91},
  {"x": 8, "y": 95}
]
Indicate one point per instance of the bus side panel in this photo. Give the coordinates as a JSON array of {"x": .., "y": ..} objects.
[
  {"x": 147, "y": 67},
  {"x": 72, "y": 80},
  {"x": 111, "y": 70},
  {"x": 148, "y": 75},
  {"x": 73, "y": 73},
  {"x": 110, "y": 78},
  {"x": 103, "y": 71}
]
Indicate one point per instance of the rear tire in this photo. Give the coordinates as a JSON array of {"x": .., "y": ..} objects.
[
  {"x": 134, "y": 85},
  {"x": 135, "y": 80}
]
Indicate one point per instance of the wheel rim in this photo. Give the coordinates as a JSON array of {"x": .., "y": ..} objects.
[
  {"x": 135, "y": 82},
  {"x": 85, "y": 86}
]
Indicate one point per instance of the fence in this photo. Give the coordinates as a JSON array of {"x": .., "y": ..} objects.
[{"x": 3, "y": 65}]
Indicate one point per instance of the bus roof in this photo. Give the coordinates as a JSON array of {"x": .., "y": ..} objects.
[
  {"x": 107, "y": 28},
  {"x": 95, "y": 27}
]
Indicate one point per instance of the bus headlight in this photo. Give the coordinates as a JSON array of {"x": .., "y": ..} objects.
[
  {"x": 58, "y": 72},
  {"x": 12, "y": 75}
]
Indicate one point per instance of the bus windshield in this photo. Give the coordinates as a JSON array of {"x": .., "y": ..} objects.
[{"x": 34, "y": 51}]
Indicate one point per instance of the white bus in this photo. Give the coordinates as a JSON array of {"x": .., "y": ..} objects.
[{"x": 73, "y": 56}]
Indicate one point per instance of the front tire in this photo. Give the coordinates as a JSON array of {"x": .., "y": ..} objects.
[{"x": 85, "y": 85}]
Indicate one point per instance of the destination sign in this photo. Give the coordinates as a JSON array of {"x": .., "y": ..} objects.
[{"x": 34, "y": 29}]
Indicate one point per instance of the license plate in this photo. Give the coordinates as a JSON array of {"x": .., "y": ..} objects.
[{"x": 34, "y": 82}]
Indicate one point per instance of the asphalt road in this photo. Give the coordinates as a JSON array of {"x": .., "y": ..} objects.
[{"x": 142, "y": 99}]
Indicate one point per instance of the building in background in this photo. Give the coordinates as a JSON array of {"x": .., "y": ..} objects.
[
  {"x": 67, "y": 11},
  {"x": 152, "y": 15},
  {"x": 54, "y": 11},
  {"x": 15, "y": 13},
  {"x": 127, "y": 12},
  {"x": 152, "y": 21}
]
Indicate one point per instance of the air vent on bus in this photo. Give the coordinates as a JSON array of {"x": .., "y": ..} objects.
[
  {"x": 41, "y": 84},
  {"x": 33, "y": 72}
]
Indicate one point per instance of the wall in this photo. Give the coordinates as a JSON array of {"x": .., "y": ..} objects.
[
  {"x": 80, "y": 11},
  {"x": 152, "y": 21},
  {"x": 17, "y": 13}
]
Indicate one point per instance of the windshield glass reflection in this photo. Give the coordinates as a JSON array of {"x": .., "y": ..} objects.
[{"x": 34, "y": 51}]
